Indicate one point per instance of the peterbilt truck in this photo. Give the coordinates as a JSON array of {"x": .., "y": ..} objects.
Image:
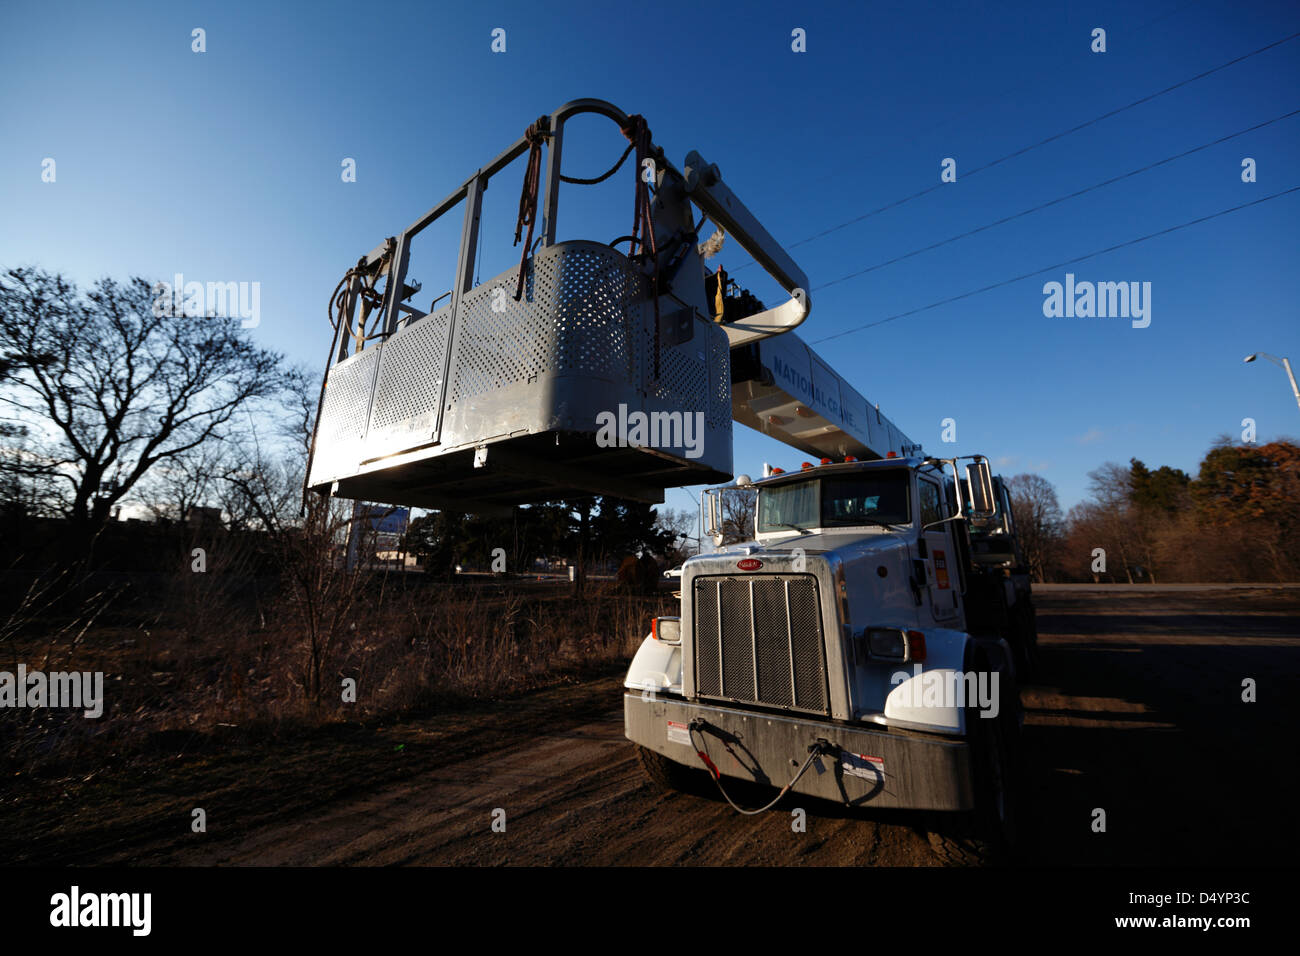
[
  {"x": 858, "y": 649},
  {"x": 811, "y": 657}
]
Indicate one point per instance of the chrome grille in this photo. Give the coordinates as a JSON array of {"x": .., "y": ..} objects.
[{"x": 758, "y": 639}]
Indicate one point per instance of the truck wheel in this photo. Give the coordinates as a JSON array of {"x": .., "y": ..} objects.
[
  {"x": 667, "y": 774},
  {"x": 1026, "y": 658},
  {"x": 987, "y": 835},
  {"x": 1025, "y": 644}
]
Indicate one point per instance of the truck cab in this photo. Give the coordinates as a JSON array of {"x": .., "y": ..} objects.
[{"x": 855, "y": 622}]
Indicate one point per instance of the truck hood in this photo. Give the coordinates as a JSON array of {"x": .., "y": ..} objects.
[{"x": 877, "y": 568}]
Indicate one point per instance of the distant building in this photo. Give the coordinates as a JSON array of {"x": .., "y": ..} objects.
[
  {"x": 377, "y": 536},
  {"x": 386, "y": 519},
  {"x": 204, "y": 518}
]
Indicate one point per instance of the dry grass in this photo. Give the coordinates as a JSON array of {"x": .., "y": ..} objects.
[{"x": 221, "y": 656}]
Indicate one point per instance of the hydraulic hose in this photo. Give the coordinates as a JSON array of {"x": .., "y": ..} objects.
[{"x": 815, "y": 750}]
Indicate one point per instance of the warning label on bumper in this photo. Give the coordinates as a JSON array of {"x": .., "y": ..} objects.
[
  {"x": 678, "y": 733},
  {"x": 862, "y": 765}
]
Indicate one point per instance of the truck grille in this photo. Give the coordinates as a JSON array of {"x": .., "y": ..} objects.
[{"x": 758, "y": 639}]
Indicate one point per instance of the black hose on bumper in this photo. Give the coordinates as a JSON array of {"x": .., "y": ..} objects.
[{"x": 815, "y": 749}]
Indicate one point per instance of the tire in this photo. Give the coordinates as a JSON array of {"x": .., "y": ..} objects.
[
  {"x": 1027, "y": 657},
  {"x": 1031, "y": 624},
  {"x": 1024, "y": 641},
  {"x": 667, "y": 774},
  {"x": 987, "y": 835}
]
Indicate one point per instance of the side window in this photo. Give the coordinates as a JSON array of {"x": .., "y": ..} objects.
[
  {"x": 1008, "y": 519},
  {"x": 931, "y": 509}
]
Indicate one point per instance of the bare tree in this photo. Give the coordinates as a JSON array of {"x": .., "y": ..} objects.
[
  {"x": 25, "y": 490},
  {"x": 261, "y": 488},
  {"x": 1114, "y": 516},
  {"x": 262, "y": 477},
  {"x": 1085, "y": 533},
  {"x": 736, "y": 510},
  {"x": 184, "y": 482},
  {"x": 115, "y": 385},
  {"x": 1039, "y": 524},
  {"x": 683, "y": 525}
]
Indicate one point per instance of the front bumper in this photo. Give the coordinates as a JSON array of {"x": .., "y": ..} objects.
[{"x": 875, "y": 767}]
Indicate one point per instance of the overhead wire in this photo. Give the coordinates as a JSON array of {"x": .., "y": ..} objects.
[
  {"x": 1015, "y": 87},
  {"x": 1058, "y": 265},
  {"x": 1040, "y": 143},
  {"x": 1058, "y": 200}
]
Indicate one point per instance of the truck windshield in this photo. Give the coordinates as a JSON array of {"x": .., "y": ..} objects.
[{"x": 842, "y": 501}]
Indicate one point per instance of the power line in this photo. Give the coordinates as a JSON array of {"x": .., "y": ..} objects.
[
  {"x": 1058, "y": 265},
  {"x": 1060, "y": 199},
  {"x": 1042, "y": 142},
  {"x": 1002, "y": 92}
]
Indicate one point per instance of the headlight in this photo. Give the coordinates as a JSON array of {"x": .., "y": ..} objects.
[
  {"x": 893, "y": 644},
  {"x": 667, "y": 629}
]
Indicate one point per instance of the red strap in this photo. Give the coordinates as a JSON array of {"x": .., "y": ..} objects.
[
  {"x": 709, "y": 763},
  {"x": 643, "y": 232},
  {"x": 536, "y": 137}
]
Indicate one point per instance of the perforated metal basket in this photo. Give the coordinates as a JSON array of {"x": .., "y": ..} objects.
[{"x": 528, "y": 383}]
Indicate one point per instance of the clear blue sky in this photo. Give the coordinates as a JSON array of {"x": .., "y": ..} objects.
[{"x": 225, "y": 166}]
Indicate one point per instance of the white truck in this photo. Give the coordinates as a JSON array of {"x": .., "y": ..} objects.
[
  {"x": 862, "y": 648},
  {"x": 875, "y": 628}
]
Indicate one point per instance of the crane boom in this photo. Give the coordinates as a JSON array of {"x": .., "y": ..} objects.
[{"x": 784, "y": 389}]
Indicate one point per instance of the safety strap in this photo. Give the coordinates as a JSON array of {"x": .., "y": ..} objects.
[
  {"x": 536, "y": 137},
  {"x": 643, "y": 231}
]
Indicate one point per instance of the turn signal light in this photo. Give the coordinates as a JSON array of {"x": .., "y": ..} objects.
[
  {"x": 667, "y": 629},
  {"x": 892, "y": 644}
]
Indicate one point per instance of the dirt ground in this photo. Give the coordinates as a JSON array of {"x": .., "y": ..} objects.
[{"x": 1138, "y": 711}]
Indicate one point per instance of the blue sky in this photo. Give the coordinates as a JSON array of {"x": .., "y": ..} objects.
[{"x": 225, "y": 165}]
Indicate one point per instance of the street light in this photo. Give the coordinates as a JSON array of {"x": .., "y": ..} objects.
[{"x": 1282, "y": 363}]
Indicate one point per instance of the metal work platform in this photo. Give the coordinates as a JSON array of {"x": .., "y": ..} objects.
[
  {"x": 523, "y": 392},
  {"x": 506, "y": 394}
]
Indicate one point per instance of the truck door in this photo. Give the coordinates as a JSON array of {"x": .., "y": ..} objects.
[{"x": 940, "y": 558}]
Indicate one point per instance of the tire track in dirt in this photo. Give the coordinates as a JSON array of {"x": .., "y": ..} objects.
[
  {"x": 1138, "y": 711},
  {"x": 576, "y": 797}
]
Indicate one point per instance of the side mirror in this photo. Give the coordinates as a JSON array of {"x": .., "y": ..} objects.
[
  {"x": 979, "y": 479},
  {"x": 712, "y": 521}
]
